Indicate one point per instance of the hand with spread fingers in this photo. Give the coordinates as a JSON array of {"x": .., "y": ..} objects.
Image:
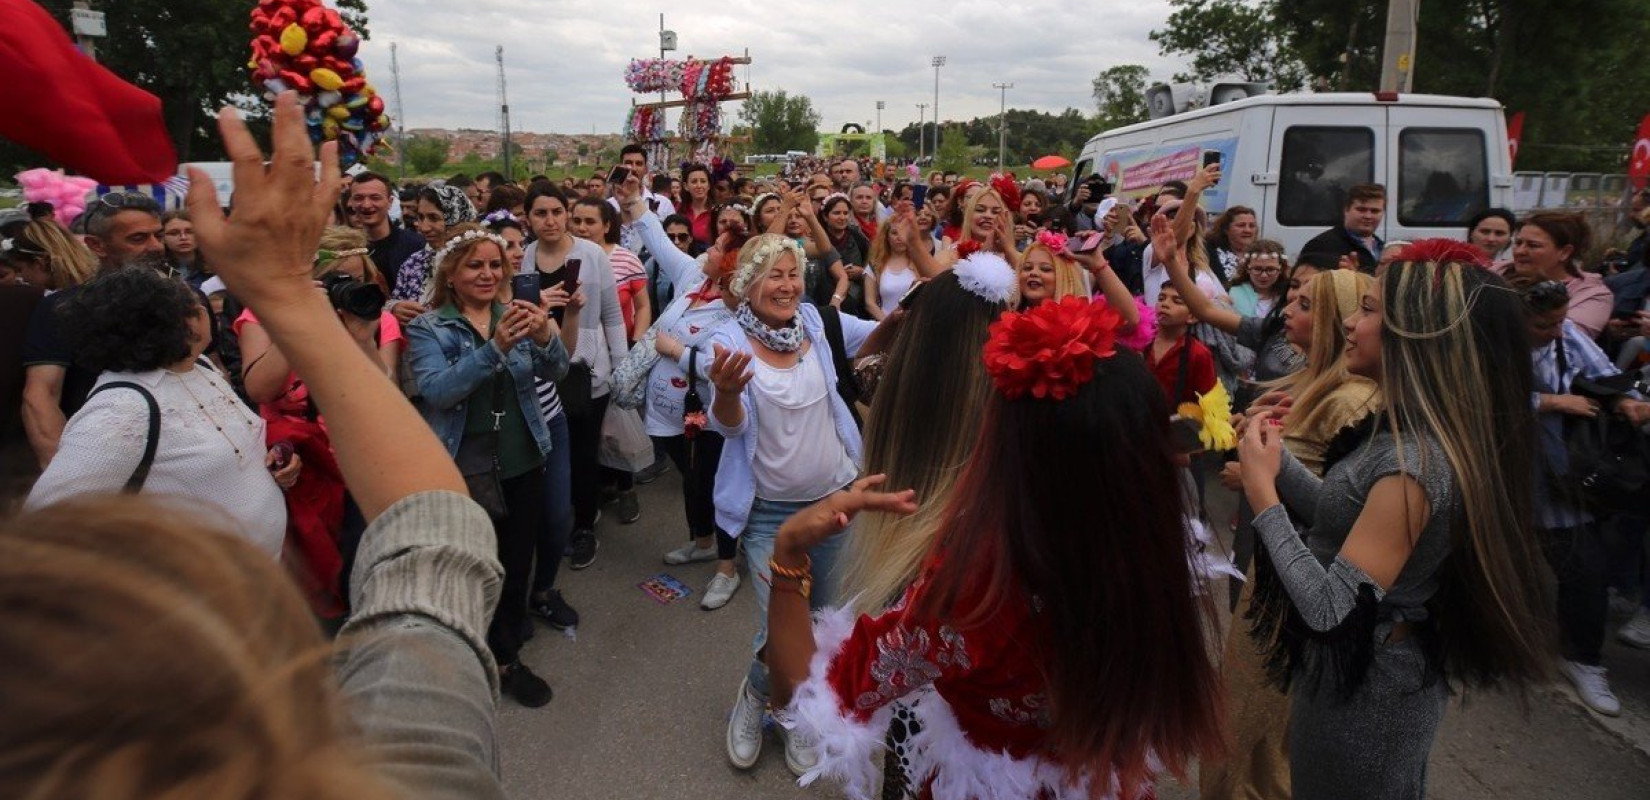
[
  {"x": 831, "y": 514},
  {"x": 730, "y": 371}
]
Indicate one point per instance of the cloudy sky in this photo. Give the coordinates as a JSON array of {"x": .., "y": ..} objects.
[{"x": 565, "y": 60}]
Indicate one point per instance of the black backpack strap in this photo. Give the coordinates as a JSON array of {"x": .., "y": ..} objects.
[
  {"x": 832, "y": 319},
  {"x": 140, "y": 475}
]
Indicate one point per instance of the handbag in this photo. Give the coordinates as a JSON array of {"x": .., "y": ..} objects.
[
  {"x": 630, "y": 377},
  {"x": 574, "y": 389},
  {"x": 625, "y": 443},
  {"x": 1609, "y": 458},
  {"x": 477, "y": 461}
]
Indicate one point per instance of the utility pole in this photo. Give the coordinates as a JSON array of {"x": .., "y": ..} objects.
[
  {"x": 400, "y": 118},
  {"x": 1398, "y": 52},
  {"x": 922, "y": 135},
  {"x": 1002, "y": 121},
  {"x": 880, "y": 105},
  {"x": 88, "y": 25},
  {"x": 938, "y": 61},
  {"x": 504, "y": 112}
]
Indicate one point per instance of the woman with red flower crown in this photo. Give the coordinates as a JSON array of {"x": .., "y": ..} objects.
[{"x": 1012, "y": 689}]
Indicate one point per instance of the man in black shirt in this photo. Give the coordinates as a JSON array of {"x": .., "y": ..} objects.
[
  {"x": 370, "y": 198},
  {"x": 1362, "y": 216}
]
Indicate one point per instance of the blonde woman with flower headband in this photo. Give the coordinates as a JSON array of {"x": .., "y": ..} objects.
[{"x": 790, "y": 439}]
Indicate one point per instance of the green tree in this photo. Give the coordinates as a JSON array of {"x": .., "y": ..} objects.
[
  {"x": 955, "y": 151},
  {"x": 192, "y": 55},
  {"x": 1120, "y": 95},
  {"x": 1231, "y": 37},
  {"x": 780, "y": 121},
  {"x": 426, "y": 154}
]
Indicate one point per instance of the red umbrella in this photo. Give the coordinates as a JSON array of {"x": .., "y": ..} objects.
[{"x": 1051, "y": 162}]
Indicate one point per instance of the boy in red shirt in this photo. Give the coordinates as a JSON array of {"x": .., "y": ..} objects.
[{"x": 1183, "y": 365}]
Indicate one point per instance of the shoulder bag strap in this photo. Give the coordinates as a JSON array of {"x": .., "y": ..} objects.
[
  {"x": 140, "y": 475},
  {"x": 1563, "y": 365}
]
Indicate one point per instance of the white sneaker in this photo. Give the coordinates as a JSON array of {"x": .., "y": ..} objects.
[
  {"x": 690, "y": 553},
  {"x": 1592, "y": 685},
  {"x": 1637, "y": 630},
  {"x": 1621, "y": 607},
  {"x": 801, "y": 754},
  {"x": 745, "y": 728},
  {"x": 720, "y": 591}
]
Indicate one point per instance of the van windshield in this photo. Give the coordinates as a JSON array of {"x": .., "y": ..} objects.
[
  {"x": 1442, "y": 176},
  {"x": 1320, "y": 163}
]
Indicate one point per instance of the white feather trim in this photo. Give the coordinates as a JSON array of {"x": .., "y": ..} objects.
[
  {"x": 1209, "y": 559},
  {"x": 987, "y": 275},
  {"x": 846, "y": 747}
]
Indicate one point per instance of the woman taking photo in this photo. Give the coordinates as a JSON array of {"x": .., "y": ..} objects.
[
  {"x": 993, "y": 652},
  {"x": 579, "y": 266},
  {"x": 439, "y": 208},
  {"x": 474, "y": 358},
  {"x": 702, "y": 305},
  {"x": 1550, "y": 246},
  {"x": 1259, "y": 285},
  {"x": 696, "y": 205},
  {"x": 1419, "y": 567},
  {"x": 160, "y": 421},
  {"x": 790, "y": 440}
]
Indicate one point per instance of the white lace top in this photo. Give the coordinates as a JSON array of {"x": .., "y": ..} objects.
[{"x": 103, "y": 443}]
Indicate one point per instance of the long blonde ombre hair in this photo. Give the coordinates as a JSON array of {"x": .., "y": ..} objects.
[
  {"x": 149, "y": 654},
  {"x": 1333, "y": 296}
]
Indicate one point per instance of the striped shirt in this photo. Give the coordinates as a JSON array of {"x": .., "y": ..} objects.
[{"x": 549, "y": 400}]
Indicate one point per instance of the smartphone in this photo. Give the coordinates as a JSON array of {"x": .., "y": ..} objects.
[
  {"x": 919, "y": 195},
  {"x": 525, "y": 287},
  {"x": 910, "y": 295},
  {"x": 620, "y": 174},
  {"x": 1211, "y": 158},
  {"x": 1183, "y": 435},
  {"x": 570, "y": 276}
]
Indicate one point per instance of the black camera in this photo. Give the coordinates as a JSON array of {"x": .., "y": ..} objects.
[
  {"x": 354, "y": 297},
  {"x": 1099, "y": 188}
]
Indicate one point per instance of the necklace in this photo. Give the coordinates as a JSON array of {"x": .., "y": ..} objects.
[{"x": 209, "y": 418}]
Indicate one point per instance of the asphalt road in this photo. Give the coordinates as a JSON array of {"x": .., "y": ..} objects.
[{"x": 643, "y": 692}]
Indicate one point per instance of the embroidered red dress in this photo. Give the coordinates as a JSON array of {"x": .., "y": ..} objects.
[{"x": 976, "y": 697}]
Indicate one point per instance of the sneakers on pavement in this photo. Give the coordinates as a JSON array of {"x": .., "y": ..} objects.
[
  {"x": 630, "y": 509},
  {"x": 690, "y": 553},
  {"x": 1637, "y": 630},
  {"x": 584, "y": 549},
  {"x": 554, "y": 609},
  {"x": 720, "y": 591},
  {"x": 745, "y": 727},
  {"x": 800, "y": 753},
  {"x": 653, "y": 472},
  {"x": 1593, "y": 687},
  {"x": 520, "y": 683}
]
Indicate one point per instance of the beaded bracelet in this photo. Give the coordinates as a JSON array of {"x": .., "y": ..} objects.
[{"x": 802, "y": 576}]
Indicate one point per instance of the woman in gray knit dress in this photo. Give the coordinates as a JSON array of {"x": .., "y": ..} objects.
[{"x": 1418, "y": 568}]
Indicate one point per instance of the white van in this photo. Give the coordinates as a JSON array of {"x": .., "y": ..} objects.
[{"x": 1292, "y": 158}]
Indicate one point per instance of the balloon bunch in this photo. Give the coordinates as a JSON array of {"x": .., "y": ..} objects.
[
  {"x": 305, "y": 46},
  {"x": 66, "y": 193},
  {"x": 645, "y": 75},
  {"x": 645, "y": 125}
]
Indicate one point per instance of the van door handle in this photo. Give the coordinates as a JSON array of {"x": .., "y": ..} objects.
[{"x": 1264, "y": 179}]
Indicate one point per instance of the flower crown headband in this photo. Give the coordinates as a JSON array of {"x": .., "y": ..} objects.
[
  {"x": 464, "y": 238},
  {"x": 1049, "y": 351},
  {"x": 985, "y": 274},
  {"x": 769, "y": 247},
  {"x": 500, "y": 215}
]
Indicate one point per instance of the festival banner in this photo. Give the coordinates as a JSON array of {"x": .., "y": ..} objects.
[{"x": 1139, "y": 172}]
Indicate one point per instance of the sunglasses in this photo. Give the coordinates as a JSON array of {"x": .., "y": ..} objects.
[{"x": 679, "y": 237}]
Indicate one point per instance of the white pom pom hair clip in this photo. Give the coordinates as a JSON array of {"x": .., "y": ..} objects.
[{"x": 988, "y": 276}]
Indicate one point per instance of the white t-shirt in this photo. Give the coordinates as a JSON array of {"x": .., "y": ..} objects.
[
  {"x": 799, "y": 456},
  {"x": 892, "y": 284},
  {"x": 195, "y": 462}
]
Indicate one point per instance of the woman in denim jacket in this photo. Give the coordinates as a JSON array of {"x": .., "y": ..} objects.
[{"x": 474, "y": 358}]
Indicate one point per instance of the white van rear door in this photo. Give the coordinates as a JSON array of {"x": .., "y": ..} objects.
[
  {"x": 1442, "y": 169},
  {"x": 1316, "y": 153}
]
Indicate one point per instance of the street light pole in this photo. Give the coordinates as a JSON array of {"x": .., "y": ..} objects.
[
  {"x": 938, "y": 61},
  {"x": 1002, "y": 121},
  {"x": 922, "y": 135},
  {"x": 880, "y": 105}
]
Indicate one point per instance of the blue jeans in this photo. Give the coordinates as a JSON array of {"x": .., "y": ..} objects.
[
  {"x": 558, "y": 494},
  {"x": 760, "y": 531}
]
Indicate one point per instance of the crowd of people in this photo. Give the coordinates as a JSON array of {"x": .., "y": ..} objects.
[{"x": 959, "y": 433}]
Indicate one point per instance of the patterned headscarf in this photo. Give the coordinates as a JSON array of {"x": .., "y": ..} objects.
[{"x": 455, "y": 207}]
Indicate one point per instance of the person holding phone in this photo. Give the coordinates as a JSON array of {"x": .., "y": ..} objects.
[
  {"x": 582, "y": 269},
  {"x": 474, "y": 358}
]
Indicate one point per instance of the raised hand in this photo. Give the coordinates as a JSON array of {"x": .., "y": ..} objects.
[
  {"x": 832, "y": 513},
  {"x": 729, "y": 371}
]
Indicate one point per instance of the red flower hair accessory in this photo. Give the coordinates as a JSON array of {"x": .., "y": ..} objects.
[
  {"x": 1444, "y": 251},
  {"x": 966, "y": 248},
  {"x": 1009, "y": 188},
  {"x": 1053, "y": 240},
  {"x": 1048, "y": 352}
]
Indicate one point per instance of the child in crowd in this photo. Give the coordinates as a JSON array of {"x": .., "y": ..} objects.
[{"x": 1184, "y": 367}]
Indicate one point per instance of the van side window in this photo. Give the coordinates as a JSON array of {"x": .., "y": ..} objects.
[
  {"x": 1320, "y": 163},
  {"x": 1442, "y": 176}
]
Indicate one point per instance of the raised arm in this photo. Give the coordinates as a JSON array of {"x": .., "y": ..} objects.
[
  {"x": 1186, "y": 221},
  {"x": 1116, "y": 294},
  {"x": 384, "y": 449},
  {"x": 1166, "y": 247},
  {"x": 680, "y": 268}
]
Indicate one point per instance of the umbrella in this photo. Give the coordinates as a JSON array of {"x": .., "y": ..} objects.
[{"x": 1051, "y": 162}]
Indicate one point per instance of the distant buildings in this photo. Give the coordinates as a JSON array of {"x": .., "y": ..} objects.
[{"x": 486, "y": 144}]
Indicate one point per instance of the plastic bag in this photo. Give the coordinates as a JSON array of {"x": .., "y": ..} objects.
[{"x": 625, "y": 443}]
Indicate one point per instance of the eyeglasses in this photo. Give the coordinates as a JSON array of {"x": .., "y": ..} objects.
[
  {"x": 679, "y": 237},
  {"x": 1264, "y": 270}
]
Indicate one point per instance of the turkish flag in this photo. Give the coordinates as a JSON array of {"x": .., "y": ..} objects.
[
  {"x": 66, "y": 106},
  {"x": 1515, "y": 131},
  {"x": 1638, "y": 168}
]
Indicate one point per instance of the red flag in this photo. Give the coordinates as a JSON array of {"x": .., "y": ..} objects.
[
  {"x": 1638, "y": 169},
  {"x": 1515, "y": 131},
  {"x": 66, "y": 106}
]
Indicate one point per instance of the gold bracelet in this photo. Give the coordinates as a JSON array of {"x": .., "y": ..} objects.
[{"x": 794, "y": 573}]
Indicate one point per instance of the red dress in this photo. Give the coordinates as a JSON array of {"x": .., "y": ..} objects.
[{"x": 977, "y": 696}]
